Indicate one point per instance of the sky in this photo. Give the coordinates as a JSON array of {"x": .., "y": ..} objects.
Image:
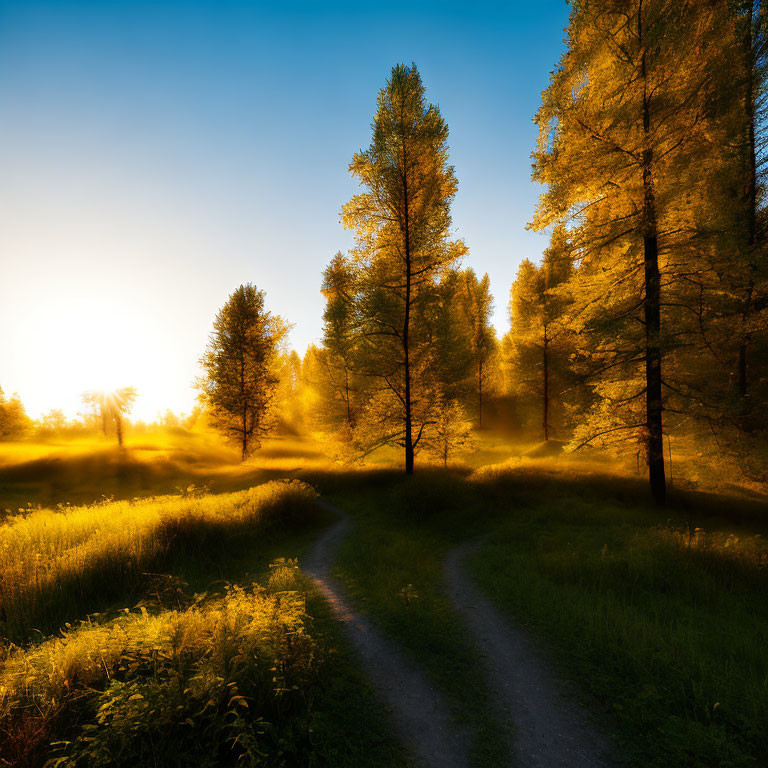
[{"x": 155, "y": 155}]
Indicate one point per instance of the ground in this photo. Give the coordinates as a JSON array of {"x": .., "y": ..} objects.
[{"x": 644, "y": 628}]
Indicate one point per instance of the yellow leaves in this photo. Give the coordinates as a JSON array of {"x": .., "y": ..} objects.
[{"x": 244, "y": 623}]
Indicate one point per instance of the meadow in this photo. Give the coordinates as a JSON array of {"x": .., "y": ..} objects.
[
  {"x": 656, "y": 617},
  {"x": 175, "y": 627},
  {"x": 172, "y": 629}
]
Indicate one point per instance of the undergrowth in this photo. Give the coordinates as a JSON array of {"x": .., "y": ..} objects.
[{"x": 59, "y": 565}]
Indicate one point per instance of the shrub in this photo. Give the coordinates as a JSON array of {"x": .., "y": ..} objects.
[{"x": 225, "y": 681}]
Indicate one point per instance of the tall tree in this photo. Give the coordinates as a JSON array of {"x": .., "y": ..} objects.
[
  {"x": 339, "y": 334},
  {"x": 750, "y": 60},
  {"x": 239, "y": 363},
  {"x": 402, "y": 222},
  {"x": 539, "y": 344},
  {"x": 476, "y": 304},
  {"x": 452, "y": 364},
  {"x": 620, "y": 120}
]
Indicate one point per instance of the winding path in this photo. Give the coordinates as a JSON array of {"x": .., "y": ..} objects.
[
  {"x": 550, "y": 729},
  {"x": 421, "y": 715}
]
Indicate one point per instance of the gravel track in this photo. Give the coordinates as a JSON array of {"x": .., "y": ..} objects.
[
  {"x": 551, "y": 730},
  {"x": 419, "y": 710}
]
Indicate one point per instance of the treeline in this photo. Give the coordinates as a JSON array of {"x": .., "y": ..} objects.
[
  {"x": 648, "y": 311},
  {"x": 651, "y": 148},
  {"x": 103, "y": 412},
  {"x": 647, "y": 315}
]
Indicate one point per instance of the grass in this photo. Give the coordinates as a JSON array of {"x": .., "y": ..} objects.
[
  {"x": 57, "y": 566},
  {"x": 181, "y": 687},
  {"x": 241, "y": 677},
  {"x": 392, "y": 565},
  {"x": 201, "y": 671},
  {"x": 661, "y": 616},
  {"x": 658, "y": 616},
  {"x": 80, "y": 471}
]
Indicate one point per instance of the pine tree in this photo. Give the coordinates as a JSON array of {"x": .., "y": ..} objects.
[
  {"x": 620, "y": 129},
  {"x": 240, "y": 369},
  {"x": 402, "y": 222},
  {"x": 476, "y": 303},
  {"x": 339, "y": 334},
  {"x": 288, "y": 402},
  {"x": 752, "y": 56},
  {"x": 539, "y": 344},
  {"x": 452, "y": 362}
]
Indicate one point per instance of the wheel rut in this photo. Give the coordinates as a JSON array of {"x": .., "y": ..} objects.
[
  {"x": 551, "y": 730},
  {"x": 419, "y": 710}
]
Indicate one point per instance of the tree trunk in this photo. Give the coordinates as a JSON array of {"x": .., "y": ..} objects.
[
  {"x": 245, "y": 408},
  {"x": 119, "y": 423},
  {"x": 545, "y": 403},
  {"x": 750, "y": 202},
  {"x": 346, "y": 390},
  {"x": 480, "y": 392},
  {"x": 652, "y": 302},
  {"x": 653, "y": 399},
  {"x": 409, "y": 463}
]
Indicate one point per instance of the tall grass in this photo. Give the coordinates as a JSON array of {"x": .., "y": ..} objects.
[
  {"x": 57, "y": 565},
  {"x": 227, "y": 680}
]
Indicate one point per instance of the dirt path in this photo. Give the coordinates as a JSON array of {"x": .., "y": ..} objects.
[
  {"x": 421, "y": 714},
  {"x": 550, "y": 729}
]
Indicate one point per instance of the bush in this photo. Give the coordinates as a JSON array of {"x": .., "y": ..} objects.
[{"x": 225, "y": 681}]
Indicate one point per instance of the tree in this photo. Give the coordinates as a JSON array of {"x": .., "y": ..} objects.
[
  {"x": 451, "y": 431},
  {"x": 749, "y": 109},
  {"x": 402, "y": 222},
  {"x": 14, "y": 422},
  {"x": 539, "y": 343},
  {"x": 476, "y": 303},
  {"x": 54, "y": 422},
  {"x": 111, "y": 408},
  {"x": 620, "y": 142},
  {"x": 452, "y": 363},
  {"x": 239, "y": 363},
  {"x": 339, "y": 332},
  {"x": 289, "y": 405}
]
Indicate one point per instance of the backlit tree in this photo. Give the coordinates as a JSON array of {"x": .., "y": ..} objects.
[
  {"x": 240, "y": 365},
  {"x": 402, "y": 223}
]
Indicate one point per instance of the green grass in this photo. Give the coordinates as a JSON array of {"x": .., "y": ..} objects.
[
  {"x": 392, "y": 565},
  {"x": 84, "y": 470},
  {"x": 665, "y": 624},
  {"x": 59, "y": 565},
  {"x": 663, "y": 627}
]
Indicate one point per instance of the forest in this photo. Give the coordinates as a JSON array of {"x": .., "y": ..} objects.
[{"x": 420, "y": 542}]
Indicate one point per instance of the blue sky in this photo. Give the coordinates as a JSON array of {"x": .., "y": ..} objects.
[{"x": 156, "y": 155}]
